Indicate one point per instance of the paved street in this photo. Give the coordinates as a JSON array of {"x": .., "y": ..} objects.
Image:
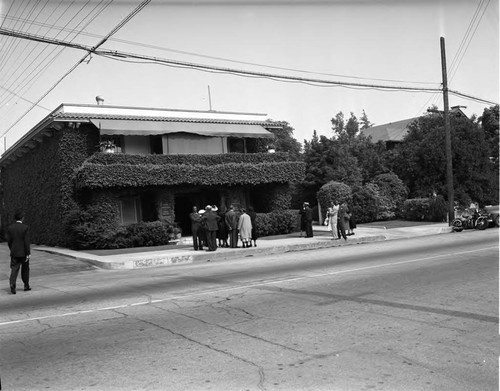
[{"x": 419, "y": 314}]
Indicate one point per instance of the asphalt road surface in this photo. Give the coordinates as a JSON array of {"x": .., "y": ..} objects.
[{"x": 418, "y": 314}]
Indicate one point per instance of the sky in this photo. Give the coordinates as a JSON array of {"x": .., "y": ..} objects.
[{"x": 373, "y": 42}]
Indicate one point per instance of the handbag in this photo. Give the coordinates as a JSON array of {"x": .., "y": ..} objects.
[{"x": 327, "y": 220}]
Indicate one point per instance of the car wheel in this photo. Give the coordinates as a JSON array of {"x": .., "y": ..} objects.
[{"x": 497, "y": 220}]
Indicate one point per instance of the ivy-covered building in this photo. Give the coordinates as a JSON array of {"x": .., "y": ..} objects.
[{"x": 101, "y": 168}]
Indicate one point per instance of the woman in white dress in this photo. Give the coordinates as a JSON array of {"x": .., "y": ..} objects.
[
  {"x": 245, "y": 229},
  {"x": 332, "y": 214}
]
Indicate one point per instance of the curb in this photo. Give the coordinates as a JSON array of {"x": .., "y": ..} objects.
[
  {"x": 162, "y": 258},
  {"x": 146, "y": 259}
]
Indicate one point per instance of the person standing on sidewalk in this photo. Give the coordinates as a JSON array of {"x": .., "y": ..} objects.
[
  {"x": 308, "y": 214},
  {"x": 253, "y": 219},
  {"x": 341, "y": 220},
  {"x": 17, "y": 236},
  {"x": 332, "y": 215},
  {"x": 232, "y": 227},
  {"x": 212, "y": 225},
  {"x": 245, "y": 228},
  {"x": 196, "y": 229}
]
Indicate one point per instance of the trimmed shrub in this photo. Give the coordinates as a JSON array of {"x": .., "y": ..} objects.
[
  {"x": 277, "y": 223},
  {"x": 365, "y": 203},
  {"x": 438, "y": 209},
  {"x": 392, "y": 193},
  {"x": 143, "y": 234},
  {"x": 331, "y": 191}
]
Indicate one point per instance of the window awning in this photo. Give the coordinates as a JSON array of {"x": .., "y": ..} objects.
[{"x": 149, "y": 128}]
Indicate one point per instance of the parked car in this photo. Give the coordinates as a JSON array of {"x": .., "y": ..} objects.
[{"x": 492, "y": 211}]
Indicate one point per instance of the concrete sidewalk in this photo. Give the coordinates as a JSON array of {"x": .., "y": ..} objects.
[{"x": 182, "y": 254}]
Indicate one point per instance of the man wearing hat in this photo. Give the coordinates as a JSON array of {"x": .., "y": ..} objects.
[
  {"x": 196, "y": 229},
  {"x": 211, "y": 220}
]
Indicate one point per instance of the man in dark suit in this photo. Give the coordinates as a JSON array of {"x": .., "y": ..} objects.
[
  {"x": 19, "y": 244},
  {"x": 212, "y": 225},
  {"x": 232, "y": 226},
  {"x": 196, "y": 229},
  {"x": 308, "y": 214}
]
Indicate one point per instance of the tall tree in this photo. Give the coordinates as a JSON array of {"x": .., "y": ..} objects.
[
  {"x": 489, "y": 124},
  {"x": 365, "y": 122},
  {"x": 420, "y": 160},
  {"x": 338, "y": 123}
]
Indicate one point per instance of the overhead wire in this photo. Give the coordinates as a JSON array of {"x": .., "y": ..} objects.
[
  {"x": 120, "y": 25},
  {"x": 469, "y": 33},
  {"x": 468, "y": 43},
  {"x": 156, "y": 47},
  {"x": 259, "y": 75},
  {"x": 37, "y": 65},
  {"x": 460, "y": 53},
  {"x": 9, "y": 46},
  {"x": 25, "y": 62},
  {"x": 40, "y": 69}
]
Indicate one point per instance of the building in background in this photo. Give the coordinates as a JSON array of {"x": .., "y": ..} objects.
[{"x": 393, "y": 133}]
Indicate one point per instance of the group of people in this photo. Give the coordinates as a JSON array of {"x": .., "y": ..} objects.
[
  {"x": 340, "y": 220},
  {"x": 214, "y": 227}
]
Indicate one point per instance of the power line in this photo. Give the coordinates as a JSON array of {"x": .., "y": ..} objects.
[
  {"x": 39, "y": 69},
  {"x": 470, "y": 40},
  {"x": 124, "y": 55},
  {"x": 100, "y": 43},
  {"x": 148, "y": 46}
]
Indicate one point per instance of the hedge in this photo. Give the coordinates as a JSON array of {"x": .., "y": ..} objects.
[
  {"x": 188, "y": 159},
  {"x": 143, "y": 234},
  {"x": 277, "y": 223},
  {"x": 93, "y": 235},
  {"x": 94, "y": 176},
  {"x": 425, "y": 209}
]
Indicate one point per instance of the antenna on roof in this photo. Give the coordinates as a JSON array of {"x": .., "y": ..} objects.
[{"x": 209, "y": 99}]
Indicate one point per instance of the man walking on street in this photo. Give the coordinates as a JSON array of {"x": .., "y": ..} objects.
[{"x": 17, "y": 236}]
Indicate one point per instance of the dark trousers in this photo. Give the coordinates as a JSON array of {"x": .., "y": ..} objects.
[
  {"x": 233, "y": 238},
  {"x": 309, "y": 229},
  {"x": 17, "y": 263},
  {"x": 197, "y": 232},
  {"x": 341, "y": 229},
  {"x": 211, "y": 240}
]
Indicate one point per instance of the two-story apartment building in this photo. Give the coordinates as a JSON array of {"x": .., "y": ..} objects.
[{"x": 136, "y": 164}]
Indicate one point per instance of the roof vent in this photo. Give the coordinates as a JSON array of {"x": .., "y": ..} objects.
[{"x": 100, "y": 100}]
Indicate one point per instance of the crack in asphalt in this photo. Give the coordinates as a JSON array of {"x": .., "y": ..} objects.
[
  {"x": 262, "y": 377},
  {"x": 242, "y": 333}
]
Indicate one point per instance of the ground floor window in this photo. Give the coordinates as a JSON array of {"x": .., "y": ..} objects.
[{"x": 130, "y": 210}]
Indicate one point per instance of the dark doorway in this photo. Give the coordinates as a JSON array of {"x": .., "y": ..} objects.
[{"x": 148, "y": 207}]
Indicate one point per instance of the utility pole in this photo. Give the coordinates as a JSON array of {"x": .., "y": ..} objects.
[{"x": 447, "y": 131}]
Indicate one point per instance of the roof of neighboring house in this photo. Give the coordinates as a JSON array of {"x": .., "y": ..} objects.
[
  {"x": 393, "y": 131},
  {"x": 147, "y": 121},
  {"x": 396, "y": 131}
]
